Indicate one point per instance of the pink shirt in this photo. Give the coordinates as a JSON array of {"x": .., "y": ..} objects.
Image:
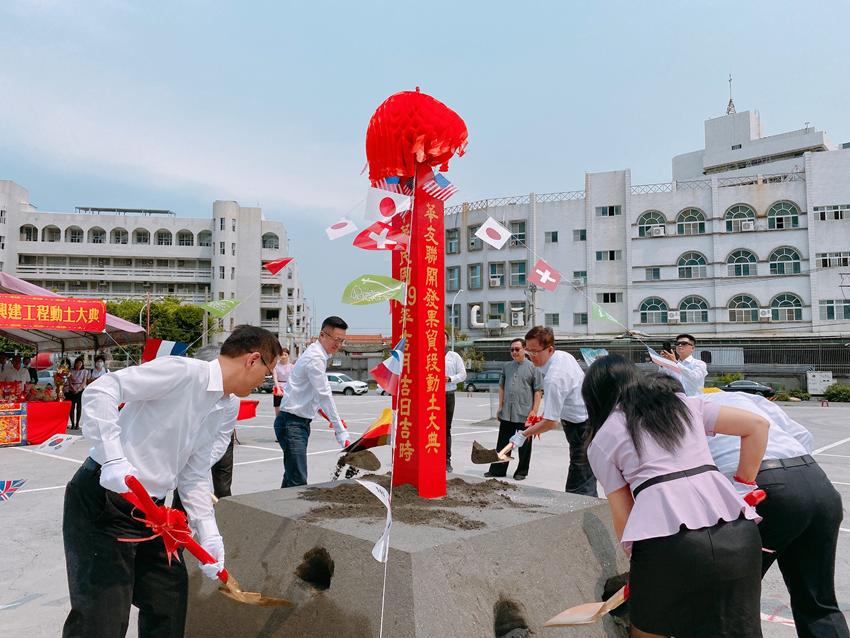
[{"x": 660, "y": 510}]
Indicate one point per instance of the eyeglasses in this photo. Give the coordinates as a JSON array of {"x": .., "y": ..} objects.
[
  {"x": 266, "y": 364},
  {"x": 516, "y": 349},
  {"x": 534, "y": 353},
  {"x": 682, "y": 344},
  {"x": 337, "y": 340}
]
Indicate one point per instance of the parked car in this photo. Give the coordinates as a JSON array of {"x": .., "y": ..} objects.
[
  {"x": 342, "y": 383},
  {"x": 750, "y": 387},
  {"x": 267, "y": 385},
  {"x": 482, "y": 381},
  {"x": 45, "y": 377}
]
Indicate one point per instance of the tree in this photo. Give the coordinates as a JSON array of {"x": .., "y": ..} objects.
[{"x": 171, "y": 320}]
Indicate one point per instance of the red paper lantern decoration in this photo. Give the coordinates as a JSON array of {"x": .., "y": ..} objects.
[{"x": 411, "y": 128}]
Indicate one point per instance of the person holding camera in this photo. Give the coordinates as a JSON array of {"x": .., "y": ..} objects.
[{"x": 692, "y": 372}]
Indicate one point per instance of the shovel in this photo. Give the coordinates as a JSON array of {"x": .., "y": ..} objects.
[
  {"x": 588, "y": 612},
  {"x": 481, "y": 454}
]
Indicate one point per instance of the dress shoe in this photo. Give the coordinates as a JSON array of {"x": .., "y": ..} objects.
[
  {"x": 519, "y": 477},
  {"x": 449, "y": 467}
]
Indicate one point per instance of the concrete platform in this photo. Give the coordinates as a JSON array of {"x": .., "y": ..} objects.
[{"x": 449, "y": 564}]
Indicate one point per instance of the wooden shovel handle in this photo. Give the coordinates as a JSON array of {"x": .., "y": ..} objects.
[{"x": 505, "y": 450}]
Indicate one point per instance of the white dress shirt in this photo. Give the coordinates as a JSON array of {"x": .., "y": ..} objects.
[
  {"x": 174, "y": 421},
  {"x": 692, "y": 374},
  {"x": 308, "y": 389},
  {"x": 785, "y": 439},
  {"x": 9, "y": 374},
  {"x": 455, "y": 370},
  {"x": 562, "y": 379}
]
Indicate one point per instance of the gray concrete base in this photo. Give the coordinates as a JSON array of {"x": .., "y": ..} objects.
[{"x": 440, "y": 582}]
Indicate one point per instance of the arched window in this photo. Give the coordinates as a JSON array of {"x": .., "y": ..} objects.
[
  {"x": 742, "y": 263},
  {"x": 74, "y": 235},
  {"x": 783, "y": 215},
  {"x": 29, "y": 233},
  {"x": 205, "y": 238},
  {"x": 163, "y": 238},
  {"x": 270, "y": 240},
  {"x": 690, "y": 221},
  {"x": 118, "y": 236},
  {"x": 653, "y": 310},
  {"x": 141, "y": 236},
  {"x": 185, "y": 238},
  {"x": 737, "y": 215},
  {"x": 784, "y": 261},
  {"x": 648, "y": 220},
  {"x": 692, "y": 265},
  {"x": 693, "y": 309},
  {"x": 97, "y": 235},
  {"x": 51, "y": 234},
  {"x": 743, "y": 309},
  {"x": 786, "y": 307}
]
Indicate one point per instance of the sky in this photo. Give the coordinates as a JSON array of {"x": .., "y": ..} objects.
[{"x": 176, "y": 104}]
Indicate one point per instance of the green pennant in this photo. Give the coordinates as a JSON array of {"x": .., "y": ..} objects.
[
  {"x": 369, "y": 289},
  {"x": 220, "y": 307},
  {"x": 598, "y": 313}
]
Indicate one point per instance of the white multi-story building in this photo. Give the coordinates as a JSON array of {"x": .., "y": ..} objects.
[
  {"x": 752, "y": 236},
  {"x": 114, "y": 253}
]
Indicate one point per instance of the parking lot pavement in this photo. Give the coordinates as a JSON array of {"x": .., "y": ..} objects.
[{"x": 33, "y": 588}]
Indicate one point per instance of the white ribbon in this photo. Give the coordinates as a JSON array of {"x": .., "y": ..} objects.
[{"x": 382, "y": 548}]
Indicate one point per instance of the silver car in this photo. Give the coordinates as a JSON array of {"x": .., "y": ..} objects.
[{"x": 344, "y": 384}]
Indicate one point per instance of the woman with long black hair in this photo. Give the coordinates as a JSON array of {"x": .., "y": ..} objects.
[{"x": 694, "y": 546}]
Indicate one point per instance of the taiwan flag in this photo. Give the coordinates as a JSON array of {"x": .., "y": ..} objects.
[
  {"x": 387, "y": 372},
  {"x": 158, "y": 348}
]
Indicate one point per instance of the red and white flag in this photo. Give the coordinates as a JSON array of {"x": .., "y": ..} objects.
[
  {"x": 381, "y": 236},
  {"x": 388, "y": 372},
  {"x": 340, "y": 229},
  {"x": 545, "y": 276},
  {"x": 439, "y": 187},
  {"x": 493, "y": 233},
  {"x": 277, "y": 265},
  {"x": 158, "y": 348},
  {"x": 382, "y": 205}
]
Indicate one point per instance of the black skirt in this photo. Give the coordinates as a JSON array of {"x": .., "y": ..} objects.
[{"x": 703, "y": 583}]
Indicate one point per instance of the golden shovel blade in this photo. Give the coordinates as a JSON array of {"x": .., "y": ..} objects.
[
  {"x": 587, "y": 613},
  {"x": 233, "y": 591}
]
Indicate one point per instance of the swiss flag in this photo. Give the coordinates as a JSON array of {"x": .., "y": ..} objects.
[
  {"x": 340, "y": 229},
  {"x": 545, "y": 276},
  {"x": 493, "y": 233},
  {"x": 277, "y": 265},
  {"x": 382, "y": 205},
  {"x": 381, "y": 236}
]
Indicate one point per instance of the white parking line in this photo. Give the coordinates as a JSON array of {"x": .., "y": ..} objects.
[
  {"x": 41, "y": 489},
  {"x": 475, "y": 432},
  {"x": 279, "y": 457},
  {"x": 831, "y": 445},
  {"x": 839, "y": 483},
  {"x": 839, "y": 456},
  {"x": 844, "y": 529},
  {"x": 52, "y": 456}
]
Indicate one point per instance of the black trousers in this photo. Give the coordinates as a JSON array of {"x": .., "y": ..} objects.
[
  {"x": 106, "y": 576},
  {"x": 580, "y": 478},
  {"x": 801, "y": 517},
  {"x": 506, "y": 430},
  {"x": 222, "y": 476},
  {"x": 76, "y": 399},
  {"x": 450, "y": 413}
]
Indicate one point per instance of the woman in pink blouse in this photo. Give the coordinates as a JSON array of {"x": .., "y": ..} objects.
[{"x": 694, "y": 547}]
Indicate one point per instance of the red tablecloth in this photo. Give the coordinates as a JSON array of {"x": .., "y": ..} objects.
[{"x": 46, "y": 419}]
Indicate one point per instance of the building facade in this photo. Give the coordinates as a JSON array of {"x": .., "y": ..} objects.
[
  {"x": 118, "y": 254},
  {"x": 752, "y": 236}
]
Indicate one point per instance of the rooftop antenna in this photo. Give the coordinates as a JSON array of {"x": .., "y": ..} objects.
[
  {"x": 806, "y": 125},
  {"x": 730, "y": 108}
]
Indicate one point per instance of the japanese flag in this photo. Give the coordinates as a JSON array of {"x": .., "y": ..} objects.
[
  {"x": 381, "y": 205},
  {"x": 340, "y": 229},
  {"x": 493, "y": 233},
  {"x": 545, "y": 276}
]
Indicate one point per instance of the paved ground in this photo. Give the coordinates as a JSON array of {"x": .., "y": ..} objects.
[{"x": 33, "y": 590}]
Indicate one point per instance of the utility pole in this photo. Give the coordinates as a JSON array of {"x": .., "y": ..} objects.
[{"x": 148, "y": 305}]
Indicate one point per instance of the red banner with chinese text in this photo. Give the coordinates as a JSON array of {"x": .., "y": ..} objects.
[
  {"x": 420, "y": 443},
  {"x": 28, "y": 312}
]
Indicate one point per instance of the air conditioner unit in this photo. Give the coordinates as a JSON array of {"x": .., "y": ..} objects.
[
  {"x": 748, "y": 226},
  {"x": 517, "y": 318},
  {"x": 657, "y": 231},
  {"x": 673, "y": 317},
  {"x": 578, "y": 282},
  {"x": 764, "y": 315},
  {"x": 495, "y": 282}
]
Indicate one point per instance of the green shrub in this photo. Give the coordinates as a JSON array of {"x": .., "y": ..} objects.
[
  {"x": 782, "y": 396},
  {"x": 837, "y": 392},
  {"x": 725, "y": 379},
  {"x": 800, "y": 394}
]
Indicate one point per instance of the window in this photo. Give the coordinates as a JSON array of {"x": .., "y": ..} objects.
[
  {"x": 653, "y": 274},
  {"x": 29, "y": 233},
  {"x": 2, "y": 242},
  {"x": 453, "y": 316},
  {"x": 551, "y": 236},
  {"x": 580, "y": 234},
  {"x": 185, "y": 238},
  {"x": 221, "y": 271},
  {"x": 580, "y": 274},
  {"x": 737, "y": 215},
  {"x": 496, "y": 311},
  {"x": 786, "y": 307},
  {"x": 736, "y": 147},
  {"x": 2, "y": 215},
  {"x": 473, "y": 276},
  {"x": 497, "y": 275},
  {"x": 653, "y": 310},
  {"x": 471, "y": 314},
  {"x": 649, "y": 220},
  {"x": 97, "y": 236},
  {"x": 517, "y": 233},
  {"x": 474, "y": 242},
  {"x": 690, "y": 221},
  {"x": 118, "y": 236},
  {"x": 552, "y": 319},
  {"x": 453, "y": 241},
  {"x": 834, "y": 309},
  {"x": 221, "y": 223},
  {"x": 233, "y": 224},
  {"x": 163, "y": 238},
  {"x": 835, "y": 212},
  {"x": 742, "y": 263},
  {"x": 692, "y": 265},
  {"x": 205, "y": 238},
  {"x": 579, "y": 318},
  {"x": 51, "y": 234},
  {"x": 74, "y": 235},
  {"x": 609, "y": 297},
  {"x": 453, "y": 278},
  {"x": 743, "y": 309},
  {"x": 233, "y": 249},
  {"x": 783, "y": 215},
  {"x": 784, "y": 261},
  {"x": 609, "y": 255},
  {"x": 271, "y": 241},
  {"x": 832, "y": 260},
  {"x": 221, "y": 248},
  {"x": 608, "y": 211},
  {"x": 693, "y": 309},
  {"x": 518, "y": 273},
  {"x": 232, "y": 273}
]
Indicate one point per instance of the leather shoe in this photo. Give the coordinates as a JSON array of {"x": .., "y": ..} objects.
[
  {"x": 489, "y": 475},
  {"x": 519, "y": 477},
  {"x": 449, "y": 467}
]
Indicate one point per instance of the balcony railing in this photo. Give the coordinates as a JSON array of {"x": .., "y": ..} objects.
[
  {"x": 105, "y": 294},
  {"x": 93, "y": 272},
  {"x": 270, "y": 300}
]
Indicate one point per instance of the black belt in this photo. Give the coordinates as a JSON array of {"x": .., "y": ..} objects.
[
  {"x": 672, "y": 476},
  {"x": 772, "y": 464},
  {"x": 91, "y": 465}
]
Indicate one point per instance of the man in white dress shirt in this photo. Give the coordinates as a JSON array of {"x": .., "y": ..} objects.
[
  {"x": 692, "y": 372},
  {"x": 307, "y": 391},
  {"x": 178, "y": 415},
  {"x": 16, "y": 372},
  {"x": 455, "y": 373}
]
